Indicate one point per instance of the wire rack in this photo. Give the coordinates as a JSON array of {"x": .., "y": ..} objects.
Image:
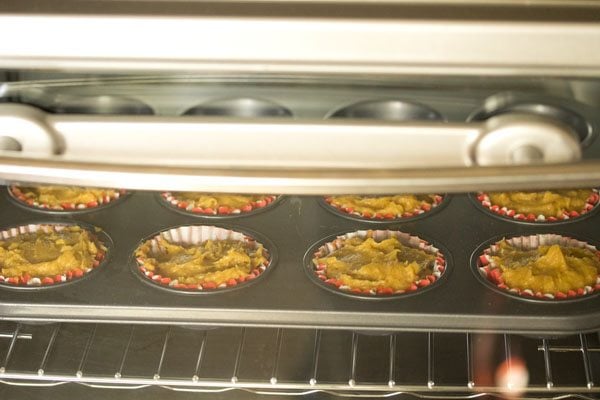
[{"x": 299, "y": 361}]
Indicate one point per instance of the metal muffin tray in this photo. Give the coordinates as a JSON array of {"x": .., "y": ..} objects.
[{"x": 286, "y": 296}]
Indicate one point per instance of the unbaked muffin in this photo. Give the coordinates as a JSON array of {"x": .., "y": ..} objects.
[
  {"x": 64, "y": 198},
  {"x": 217, "y": 203},
  {"x": 48, "y": 254},
  {"x": 378, "y": 263},
  {"x": 545, "y": 266},
  {"x": 384, "y": 207},
  {"x": 541, "y": 206},
  {"x": 201, "y": 258}
]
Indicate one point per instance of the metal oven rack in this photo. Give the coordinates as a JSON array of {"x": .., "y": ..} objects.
[{"x": 298, "y": 361}]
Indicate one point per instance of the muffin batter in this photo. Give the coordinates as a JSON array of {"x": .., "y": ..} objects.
[
  {"x": 214, "y": 200},
  {"x": 547, "y": 269},
  {"x": 47, "y": 254},
  {"x": 550, "y": 203},
  {"x": 366, "y": 264},
  {"x": 210, "y": 261},
  {"x": 58, "y": 195},
  {"x": 384, "y": 205}
]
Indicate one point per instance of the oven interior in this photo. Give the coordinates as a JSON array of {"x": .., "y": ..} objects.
[{"x": 286, "y": 335}]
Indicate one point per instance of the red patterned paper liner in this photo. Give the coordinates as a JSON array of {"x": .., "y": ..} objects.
[
  {"x": 220, "y": 210},
  {"x": 439, "y": 267},
  {"x": 196, "y": 234},
  {"x": 590, "y": 204},
  {"x": 27, "y": 280},
  {"x": 15, "y": 191},
  {"x": 378, "y": 216},
  {"x": 492, "y": 274}
]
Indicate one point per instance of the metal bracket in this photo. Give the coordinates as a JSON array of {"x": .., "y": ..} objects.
[
  {"x": 519, "y": 139},
  {"x": 24, "y": 129}
]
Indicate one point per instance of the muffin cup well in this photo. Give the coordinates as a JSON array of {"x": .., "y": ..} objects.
[
  {"x": 193, "y": 235},
  {"x": 566, "y": 111},
  {"x": 172, "y": 202},
  {"x": 483, "y": 267},
  {"x": 69, "y": 103},
  {"x": 242, "y": 107},
  {"x": 101, "y": 239},
  {"x": 484, "y": 201},
  {"x": 394, "y": 109},
  {"x": 317, "y": 272},
  {"x": 348, "y": 212},
  {"x": 17, "y": 195}
]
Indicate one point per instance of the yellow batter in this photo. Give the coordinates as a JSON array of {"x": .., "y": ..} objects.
[
  {"x": 366, "y": 264},
  {"x": 42, "y": 254},
  {"x": 210, "y": 261},
  {"x": 394, "y": 205},
  {"x": 549, "y": 203},
  {"x": 547, "y": 269},
  {"x": 58, "y": 195},
  {"x": 215, "y": 200}
]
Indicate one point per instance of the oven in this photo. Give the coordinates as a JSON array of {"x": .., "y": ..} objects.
[{"x": 302, "y": 101}]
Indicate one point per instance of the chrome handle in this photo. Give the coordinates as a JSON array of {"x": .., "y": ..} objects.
[
  {"x": 240, "y": 144},
  {"x": 289, "y": 157},
  {"x": 300, "y": 181}
]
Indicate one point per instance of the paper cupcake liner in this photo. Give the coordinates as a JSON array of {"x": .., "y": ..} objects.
[
  {"x": 25, "y": 281},
  {"x": 493, "y": 275},
  {"x": 484, "y": 199},
  {"x": 220, "y": 211},
  {"x": 15, "y": 193},
  {"x": 320, "y": 270},
  {"x": 194, "y": 235},
  {"x": 350, "y": 212}
]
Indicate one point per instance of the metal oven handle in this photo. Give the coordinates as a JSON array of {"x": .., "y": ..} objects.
[{"x": 277, "y": 147}]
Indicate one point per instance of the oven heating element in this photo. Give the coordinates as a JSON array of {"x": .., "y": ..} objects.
[{"x": 298, "y": 361}]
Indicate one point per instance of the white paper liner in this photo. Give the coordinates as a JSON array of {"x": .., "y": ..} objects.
[
  {"x": 439, "y": 267},
  {"x": 590, "y": 204},
  {"x": 378, "y": 216},
  {"x": 170, "y": 198},
  {"x": 493, "y": 275},
  {"x": 49, "y": 281},
  {"x": 15, "y": 192},
  {"x": 194, "y": 235}
]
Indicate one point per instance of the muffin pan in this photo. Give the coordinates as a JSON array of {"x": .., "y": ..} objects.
[{"x": 286, "y": 296}]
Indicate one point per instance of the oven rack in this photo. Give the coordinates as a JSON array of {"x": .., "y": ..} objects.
[{"x": 298, "y": 361}]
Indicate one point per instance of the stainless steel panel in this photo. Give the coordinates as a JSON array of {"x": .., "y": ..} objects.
[{"x": 389, "y": 44}]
